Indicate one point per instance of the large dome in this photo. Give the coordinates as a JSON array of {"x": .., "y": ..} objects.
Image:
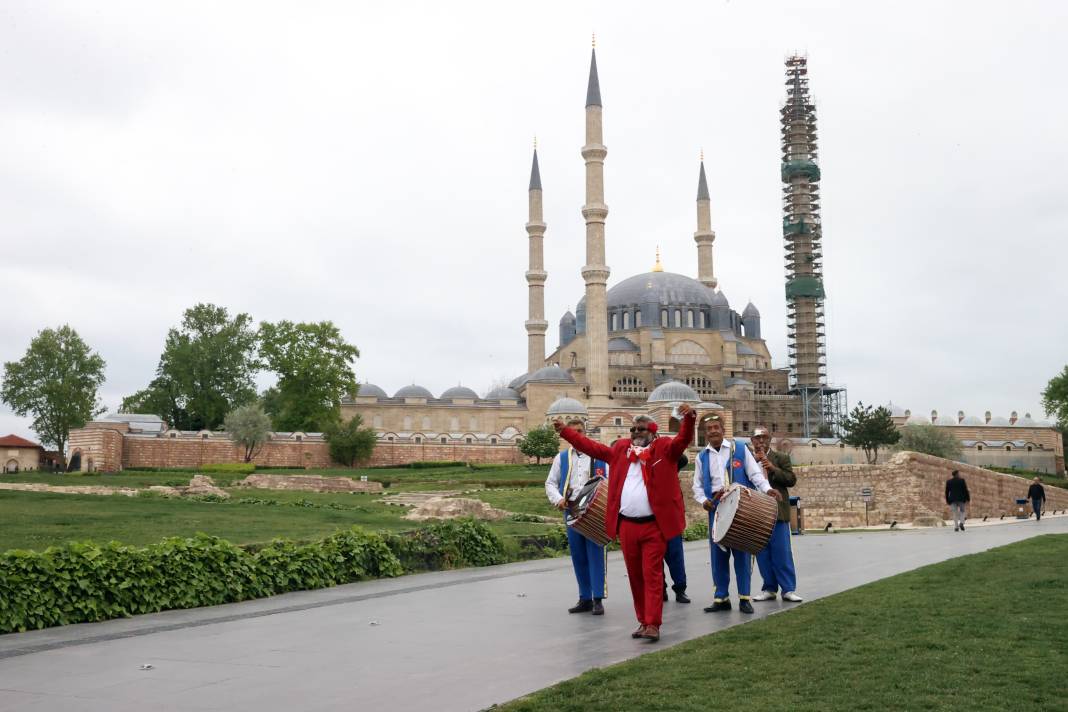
[
  {"x": 413, "y": 391},
  {"x": 551, "y": 374},
  {"x": 370, "y": 389},
  {"x": 661, "y": 288}
]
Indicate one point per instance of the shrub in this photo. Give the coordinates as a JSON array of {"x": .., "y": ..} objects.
[
  {"x": 929, "y": 440},
  {"x": 82, "y": 582},
  {"x": 448, "y": 545},
  {"x": 433, "y": 464},
  {"x": 698, "y": 531},
  {"x": 230, "y": 468}
]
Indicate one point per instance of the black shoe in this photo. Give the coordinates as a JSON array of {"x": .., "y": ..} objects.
[
  {"x": 718, "y": 606},
  {"x": 598, "y": 609},
  {"x": 680, "y": 594},
  {"x": 745, "y": 606},
  {"x": 665, "y": 591},
  {"x": 962, "y": 527},
  {"x": 584, "y": 605}
]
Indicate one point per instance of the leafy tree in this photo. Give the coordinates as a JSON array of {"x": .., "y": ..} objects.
[
  {"x": 249, "y": 426},
  {"x": 314, "y": 367},
  {"x": 869, "y": 430},
  {"x": 350, "y": 442},
  {"x": 206, "y": 370},
  {"x": 540, "y": 442},
  {"x": 56, "y": 382},
  {"x": 930, "y": 440},
  {"x": 1055, "y": 399}
]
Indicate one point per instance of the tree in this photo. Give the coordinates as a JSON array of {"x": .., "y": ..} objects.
[
  {"x": 206, "y": 370},
  {"x": 350, "y": 442},
  {"x": 249, "y": 426},
  {"x": 540, "y": 442},
  {"x": 56, "y": 382},
  {"x": 314, "y": 367},
  {"x": 869, "y": 429},
  {"x": 1055, "y": 399},
  {"x": 930, "y": 440}
]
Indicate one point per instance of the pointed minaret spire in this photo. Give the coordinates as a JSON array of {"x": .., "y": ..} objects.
[
  {"x": 535, "y": 324},
  {"x": 593, "y": 89},
  {"x": 595, "y": 272},
  {"x": 704, "y": 237}
]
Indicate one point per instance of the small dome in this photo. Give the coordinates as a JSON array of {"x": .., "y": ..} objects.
[
  {"x": 1000, "y": 421},
  {"x": 413, "y": 391},
  {"x": 519, "y": 381},
  {"x": 897, "y": 411},
  {"x": 502, "y": 393},
  {"x": 945, "y": 420},
  {"x": 750, "y": 310},
  {"x": 567, "y": 318},
  {"x": 566, "y": 406},
  {"x": 673, "y": 391},
  {"x": 551, "y": 374},
  {"x": 972, "y": 420},
  {"x": 460, "y": 392},
  {"x": 621, "y": 343},
  {"x": 371, "y": 390},
  {"x": 918, "y": 420}
]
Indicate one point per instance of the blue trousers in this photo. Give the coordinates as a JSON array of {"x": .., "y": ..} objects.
[
  {"x": 776, "y": 561},
  {"x": 721, "y": 569},
  {"x": 676, "y": 562},
  {"x": 588, "y": 559},
  {"x": 1036, "y": 507}
]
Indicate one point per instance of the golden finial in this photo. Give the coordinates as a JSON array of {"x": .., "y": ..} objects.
[
  {"x": 658, "y": 267},
  {"x": 593, "y": 41},
  {"x": 535, "y": 142},
  {"x": 702, "y": 154}
]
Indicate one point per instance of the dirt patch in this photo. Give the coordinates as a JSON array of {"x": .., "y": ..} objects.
[{"x": 308, "y": 483}]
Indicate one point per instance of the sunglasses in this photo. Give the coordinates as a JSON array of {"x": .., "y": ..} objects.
[{"x": 636, "y": 429}]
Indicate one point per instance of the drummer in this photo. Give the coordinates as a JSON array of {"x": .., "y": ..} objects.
[
  {"x": 721, "y": 463},
  {"x": 568, "y": 475}
]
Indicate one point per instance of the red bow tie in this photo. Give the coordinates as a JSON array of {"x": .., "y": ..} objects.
[{"x": 636, "y": 454}]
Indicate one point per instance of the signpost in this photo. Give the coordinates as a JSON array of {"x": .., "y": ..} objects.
[{"x": 867, "y": 494}]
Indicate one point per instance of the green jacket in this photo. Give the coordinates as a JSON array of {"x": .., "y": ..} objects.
[{"x": 780, "y": 478}]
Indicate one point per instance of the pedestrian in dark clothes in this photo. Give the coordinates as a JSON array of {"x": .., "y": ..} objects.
[
  {"x": 957, "y": 498},
  {"x": 1037, "y": 494}
]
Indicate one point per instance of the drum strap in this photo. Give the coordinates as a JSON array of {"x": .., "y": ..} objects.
[{"x": 565, "y": 470}]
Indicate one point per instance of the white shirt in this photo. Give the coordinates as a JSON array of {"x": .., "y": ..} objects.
[
  {"x": 578, "y": 465},
  {"x": 718, "y": 460},
  {"x": 634, "y": 501}
]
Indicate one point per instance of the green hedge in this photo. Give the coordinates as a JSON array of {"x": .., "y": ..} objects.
[
  {"x": 85, "y": 582},
  {"x": 448, "y": 545}
]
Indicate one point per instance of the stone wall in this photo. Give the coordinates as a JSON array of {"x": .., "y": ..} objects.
[
  {"x": 909, "y": 487},
  {"x": 101, "y": 448},
  {"x": 19, "y": 459},
  {"x": 150, "y": 451}
]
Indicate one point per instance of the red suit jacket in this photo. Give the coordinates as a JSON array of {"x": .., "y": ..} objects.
[{"x": 662, "y": 485}]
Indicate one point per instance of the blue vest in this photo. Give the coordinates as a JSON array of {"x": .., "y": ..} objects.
[
  {"x": 739, "y": 456},
  {"x": 597, "y": 469}
]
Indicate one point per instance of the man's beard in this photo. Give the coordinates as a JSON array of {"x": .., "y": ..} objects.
[{"x": 641, "y": 440}]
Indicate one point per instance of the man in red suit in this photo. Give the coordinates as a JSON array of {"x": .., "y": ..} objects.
[{"x": 644, "y": 505}]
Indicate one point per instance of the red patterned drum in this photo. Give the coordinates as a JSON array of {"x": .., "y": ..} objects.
[{"x": 586, "y": 514}]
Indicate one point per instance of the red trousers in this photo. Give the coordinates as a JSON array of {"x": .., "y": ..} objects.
[{"x": 643, "y": 551}]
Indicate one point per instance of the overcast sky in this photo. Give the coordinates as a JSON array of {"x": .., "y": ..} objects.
[{"x": 367, "y": 163}]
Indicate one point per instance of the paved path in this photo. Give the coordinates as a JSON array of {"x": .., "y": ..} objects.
[{"x": 444, "y": 641}]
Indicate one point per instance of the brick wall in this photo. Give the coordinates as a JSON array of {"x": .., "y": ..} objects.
[
  {"x": 908, "y": 487},
  {"x": 195, "y": 452}
]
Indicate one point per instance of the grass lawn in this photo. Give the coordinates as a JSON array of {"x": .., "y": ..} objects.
[
  {"x": 982, "y": 632},
  {"x": 528, "y": 500}
]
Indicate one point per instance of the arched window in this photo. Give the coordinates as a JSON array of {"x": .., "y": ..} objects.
[
  {"x": 637, "y": 319},
  {"x": 407, "y": 422},
  {"x": 454, "y": 423},
  {"x": 704, "y": 321},
  {"x": 377, "y": 421},
  {"x": 689, "y": 318},
  {"x": 472, "y": 423},
  {"x": 444, "y": 440},
  {"x": 493, "y": 441},
  {"x": 613, "y": 327},
  {"x": 426, "y": 422},
  {"x": 629, "y": 386},
  {"x": 418, "y": 440},
  {"x": 663, "y": 318},
  {"x": 678, "y": 318},
  {"x": 626, "y": 320},
  {"x": 705, "y": 387},
  {"x": 689, "y": 352}
]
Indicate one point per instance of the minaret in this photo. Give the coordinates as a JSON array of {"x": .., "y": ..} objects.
[
  {"x": 595, "y": 271},
  {"x": 704, "y": 237},
  {"x": 536, "y": 274}
]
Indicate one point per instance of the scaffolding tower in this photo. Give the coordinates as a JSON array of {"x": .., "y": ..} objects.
[{"x": 822, "y": 405}]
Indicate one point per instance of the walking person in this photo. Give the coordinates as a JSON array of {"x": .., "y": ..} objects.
[
  {"x": 675, "y": 558},
  {"x": 957, "y": 498},
  {"x": 1037, "y": 494}
]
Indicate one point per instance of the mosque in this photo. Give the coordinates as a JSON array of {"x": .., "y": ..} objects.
[{"x": 649, "y": 342}]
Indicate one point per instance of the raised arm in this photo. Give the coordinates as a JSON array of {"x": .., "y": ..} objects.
[
  {"x": 682, "y": 441},
  {"x": 582, "y": 443},
  {"x": 782, "y": 472}
]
